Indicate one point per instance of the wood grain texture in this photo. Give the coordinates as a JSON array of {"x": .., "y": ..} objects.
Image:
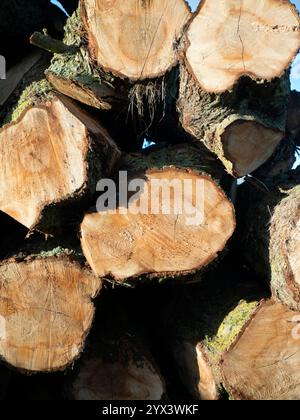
[
  {"x": 264, "y": 362},
  {"x": 45, "y": 159},
  {"x": 229, "y": 39},
  {"x": 135, "y": 39},
  {"x": 45, "y": 312},
  {"x": 160, "y": 241}
]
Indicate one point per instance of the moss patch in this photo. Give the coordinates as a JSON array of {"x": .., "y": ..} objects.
[
  {"x": 230, "y": 328},
  {"x": 36, "y": 92},
  {"x": 78, "y": 67}
]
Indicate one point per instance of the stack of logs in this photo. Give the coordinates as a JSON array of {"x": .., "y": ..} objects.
[{"x": 181, "y": 308}]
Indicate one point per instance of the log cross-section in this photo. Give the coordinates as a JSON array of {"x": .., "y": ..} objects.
[
  {"x": 178, "y": 223},
  {"x": 45, "y": 312},
  {"x": 135, "y": 39},
  {"x": 232, "y": 38},
  {"x": 45, "y": 161}
]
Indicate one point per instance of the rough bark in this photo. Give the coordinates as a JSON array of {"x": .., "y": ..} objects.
[
  {"x": 74, "y": 75},
  {"x": 231, "y": 39},
  {"x": 264, "y": 362},
  {"x": 242, "y": 127},
  {"x": 45, "y": 308},
  {"x": 52, "y": 156},
  {"x": 161, "y": 234},
  {"x": 269, "y": 223},
  {"x": 142, "y": 43}
]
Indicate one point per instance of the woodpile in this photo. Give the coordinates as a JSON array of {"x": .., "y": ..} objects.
[{"x": 134, "y": 264}]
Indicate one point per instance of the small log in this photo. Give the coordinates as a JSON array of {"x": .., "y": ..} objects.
[
  {"x": 50, "y": 44},
  {"x": 45, "y": 308},
  {"x": 51, "y": 157},
  {"x": 264, "y": 362},
  {"x": 142, "y": 43},
  {"x": 231, "y": 39},
  {"x": 243, "y": 127},
  {"x": 117, "y": 364},
  {"x": 165, "y": 229}
]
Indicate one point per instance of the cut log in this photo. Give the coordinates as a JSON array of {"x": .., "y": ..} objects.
[
  {"x": 243, "y": 127},
  {"x": 264, "y": 362},
  {"x": 199, "y": 323},
  {"x": 51, "y": 157},
  {"x": 45, "y": 309},
  {"x": 229, "y": 39},
  {"x": 117, "y": 364},
  {"x": 75, "y": 76},
  {"x": 135, "y": 39},
  {"x": 271, "y": 236},
  {"x": 177, "y": 221}
]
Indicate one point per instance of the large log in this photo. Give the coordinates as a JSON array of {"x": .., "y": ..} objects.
[
  {"x": 45, "y": 308},
  {"x": 135, "y": 39},
  {"x": 270, "y": 234},
  {"x": 242, "y": 127},
  {"x": 229, "y": 39},
  {"x": 177, "y": 222},
  {"x": 117, "y": 364},
  {"x": 264, "y": 362},
  {"x": 51, "y": 156}
]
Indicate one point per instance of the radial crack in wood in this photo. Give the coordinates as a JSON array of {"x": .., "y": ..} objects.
[
  {"x": 229, "y": 39},
  {"x": 135, "y": 39},
  {"x": 178, "y": 223},
  {"x": 45, "y": 312},
  {"x": 52, "y": 155},
  {"x": 264, "y": 363}
]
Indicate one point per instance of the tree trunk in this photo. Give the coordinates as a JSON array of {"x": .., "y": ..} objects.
[
  {"x": 263, "y": 364},
  {"x": 243, "y": 127},
  {"x": 199, "y": 323},
  {"x": 117, "y": 364},
  {"x": 52, "y": 156},
  {"x": 45, "y": 308},
  {"x": 177, "y": 223},
  {"x": 270, "y": 237},
  {"x": 142, "y": 45},
  {"x": 256, "y": 38}
]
